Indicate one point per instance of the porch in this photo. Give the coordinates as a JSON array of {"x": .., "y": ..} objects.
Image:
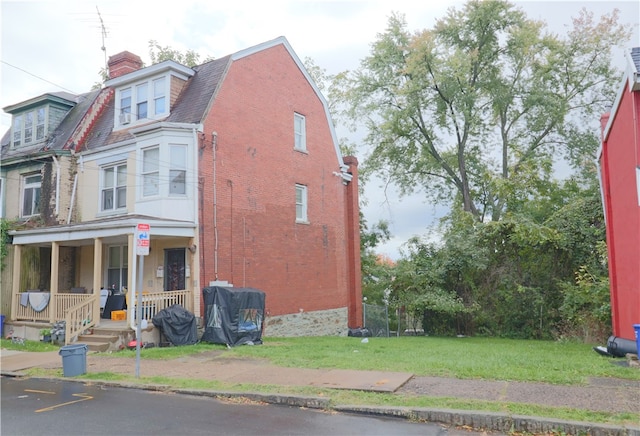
[
  {"x": 57, "y": 274},
  {"x": 81, "y": 321}
]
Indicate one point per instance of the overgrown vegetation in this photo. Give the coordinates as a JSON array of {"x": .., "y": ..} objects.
[{"x": 477, "y": 113}]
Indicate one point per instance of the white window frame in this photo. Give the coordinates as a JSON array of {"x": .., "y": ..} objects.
[
  {"x": 177, "y": 168},
  {"x": 37, "y": 128},
  {"x": 302, "y": 204},
  {"x": 119, "y": 188},
  {"x": 299, "y": 132},
  {"x": 151, "y": 92},
  {"x": 35, "y": 200},
  {"x": 121, "y": 269},
  {"x": 150, "y": 173}
]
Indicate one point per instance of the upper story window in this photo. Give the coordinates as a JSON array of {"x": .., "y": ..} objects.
[
  {"x": 142, "y": 101},
  {"x": 29, "y": 127},
  {"x": 299, "y": 132},
  {"x": 151, "y": 172},
  {"x": 177, "y": 170},
  {"x": 113, "y": 193},
  {"x": 31, "y": 185},
  {"x": 301, "y": 204}
]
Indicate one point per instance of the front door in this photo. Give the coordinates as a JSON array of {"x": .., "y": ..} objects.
[{"x": 175, "y": 267}]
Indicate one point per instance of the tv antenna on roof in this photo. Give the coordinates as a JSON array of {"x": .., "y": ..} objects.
[{"x": 104, "y": 49}]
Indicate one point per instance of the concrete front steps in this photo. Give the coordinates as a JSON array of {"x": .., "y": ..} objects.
[{"x": 107, "y": 338}]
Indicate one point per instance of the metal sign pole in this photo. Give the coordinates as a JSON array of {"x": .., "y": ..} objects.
[
  {"x": 143, "y": 241},
  {"x": 139, "y": 313}
]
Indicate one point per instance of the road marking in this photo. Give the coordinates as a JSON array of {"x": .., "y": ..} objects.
[
  {"x": 39, "y": 392},
  {"x": 84, "y": 397}
]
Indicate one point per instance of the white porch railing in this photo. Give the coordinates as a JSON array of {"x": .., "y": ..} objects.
[
  {"x": 81, "y": 317},
  {"x": 84, "y": 307},
  {"x": 154, "y": 302},
  {"x": 62, "y": 302}
]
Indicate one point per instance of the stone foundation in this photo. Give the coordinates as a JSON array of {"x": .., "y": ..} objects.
[{"x": 331, "y": 322}]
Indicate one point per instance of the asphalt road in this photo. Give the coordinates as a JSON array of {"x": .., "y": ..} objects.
[{"x": 56, "y": 407}]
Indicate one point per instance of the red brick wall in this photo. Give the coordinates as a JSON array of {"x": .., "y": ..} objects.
[{"x": 299, "y": 266}]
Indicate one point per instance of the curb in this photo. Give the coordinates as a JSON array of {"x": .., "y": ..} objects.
[{"x": 492, "y": 421}]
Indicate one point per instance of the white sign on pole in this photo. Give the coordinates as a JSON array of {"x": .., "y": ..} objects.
[{"x": 142, "y": 239}]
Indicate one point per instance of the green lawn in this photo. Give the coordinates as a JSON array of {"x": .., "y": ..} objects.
[{"x": 480, "y": 358}]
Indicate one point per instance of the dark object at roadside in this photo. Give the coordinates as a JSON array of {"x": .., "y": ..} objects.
[
  {"x": 359, "y": 332},
  {"x": 233, "y": 316},
  {"x": 619, "y": 347},
  {"x": 177, "y": 324}
]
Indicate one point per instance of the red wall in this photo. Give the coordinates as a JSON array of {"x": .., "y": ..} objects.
[
  {"x": 299, "y": 266},
  {"x": 618, "y": 162}
]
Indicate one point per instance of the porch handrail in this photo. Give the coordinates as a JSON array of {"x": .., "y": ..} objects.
[
  {"x": 154, "y": 302},
  {"x": 80, "y": 317}
]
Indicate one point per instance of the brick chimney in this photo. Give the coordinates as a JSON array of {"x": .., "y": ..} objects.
[{"x": 123, "y": 63}]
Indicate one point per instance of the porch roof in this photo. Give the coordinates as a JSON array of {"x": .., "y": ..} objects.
[{"x": 107, "y": 228}]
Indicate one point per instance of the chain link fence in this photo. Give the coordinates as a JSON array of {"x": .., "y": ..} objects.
[{"x": 376, "y": 319}]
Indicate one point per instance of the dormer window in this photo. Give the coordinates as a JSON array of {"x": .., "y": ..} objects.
[
  {"x": 29, "y": 127},
  {"x": 143, "y": 101},
  {"x": 143, "y": 95}
]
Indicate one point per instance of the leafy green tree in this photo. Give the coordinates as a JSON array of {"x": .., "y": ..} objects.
[
  {"x": 158, "y": 54},
  {"x": 474, "y": 111}
]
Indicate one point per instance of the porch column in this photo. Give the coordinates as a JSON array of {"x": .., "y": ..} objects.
[
  {"x": 55, "y": 260},
  {"x": 15, "y": 288},
  {"x": 97, "y": 274},
  {"x": 192, "y": 281},
  {"x": 131, "y": 270},
  {"x": 97, "y": 265}
]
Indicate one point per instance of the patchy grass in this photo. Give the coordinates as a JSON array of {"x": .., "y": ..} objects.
[{"x": 35, "y": 346}]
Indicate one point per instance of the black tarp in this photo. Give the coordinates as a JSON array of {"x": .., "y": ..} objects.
[
  {"x": 177, "y": 324},
  {"x": 233, "y": 316}
]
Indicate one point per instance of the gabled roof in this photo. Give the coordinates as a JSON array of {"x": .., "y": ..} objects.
[{"x": 63, "y": 98}]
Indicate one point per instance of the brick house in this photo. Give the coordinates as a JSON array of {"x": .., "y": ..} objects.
[
  {"x": 618, "y": 162},
  {"x": 235, "y": 166}
]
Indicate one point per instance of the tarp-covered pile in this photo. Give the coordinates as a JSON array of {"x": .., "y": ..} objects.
[
  {"x": 233, "y": 316},
  {"x": 177, "y": 324}
]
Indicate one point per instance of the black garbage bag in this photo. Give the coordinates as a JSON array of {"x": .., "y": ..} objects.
[{"x": 177, "y": 324}]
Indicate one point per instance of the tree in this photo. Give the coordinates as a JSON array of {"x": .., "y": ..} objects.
[
  {"x": 474, "y": 111},
  {"x": 158, "y": 54}
]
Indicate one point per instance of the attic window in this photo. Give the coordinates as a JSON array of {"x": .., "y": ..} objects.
[
  {"x": 29, "y": 127},
  {"x": 143, "y": 100}
]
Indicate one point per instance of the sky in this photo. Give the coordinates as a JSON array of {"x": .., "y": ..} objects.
[{"x": 56, "y": 45}]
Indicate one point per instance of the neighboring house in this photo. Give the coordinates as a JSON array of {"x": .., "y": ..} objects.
[
  {"x": 619, "y": 167},
  {"x": 235, "y": 166}
]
